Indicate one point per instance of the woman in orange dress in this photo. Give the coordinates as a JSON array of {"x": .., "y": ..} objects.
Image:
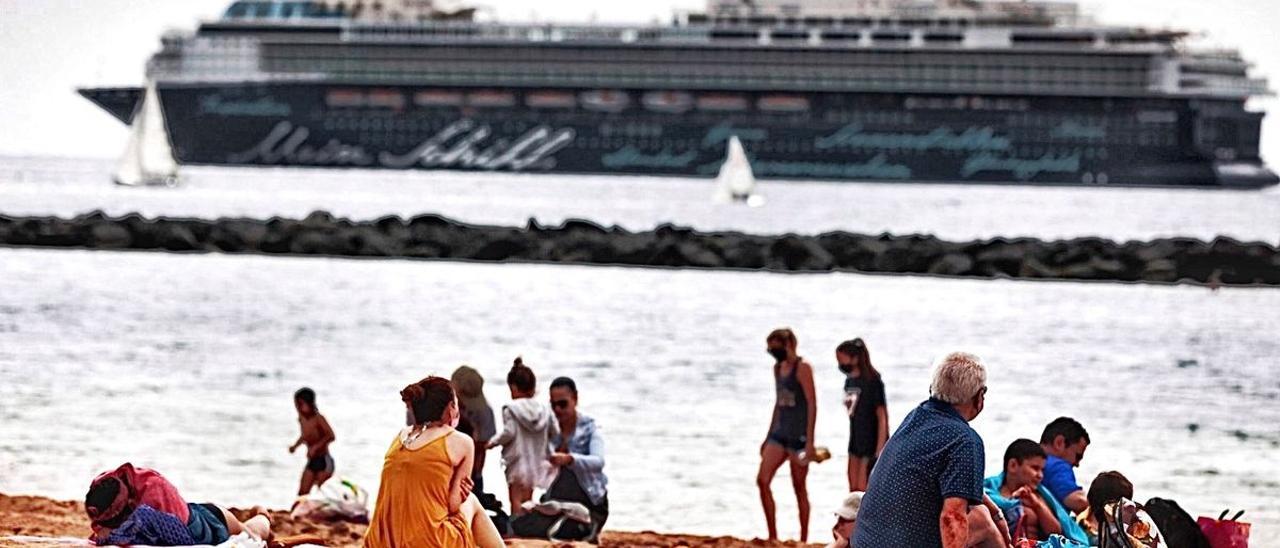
[{"x": 425, "y": 499}]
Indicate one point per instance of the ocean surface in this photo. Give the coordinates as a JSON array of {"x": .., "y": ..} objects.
[
  {"x": 187, "y": 363},
  {"x": 43, "y": 186}
]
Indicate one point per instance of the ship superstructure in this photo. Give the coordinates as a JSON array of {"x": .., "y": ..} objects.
[{"x": 886, "y": 90}]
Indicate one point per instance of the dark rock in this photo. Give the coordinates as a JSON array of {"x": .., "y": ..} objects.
[
  {"x": 952, "y": 264},
  {"x": 314, "y": 242},
  {"x": 793, "y": 252},
  {"x": 1222, "y": 261},
  {"x": 239, "y": 235},
  {"x": 571, "y": 226},
  {"x": 393, "y": 227},
  {"x": 175, "y": 236},
  {"x": 318, "y": 219},
  {"x": 512, "y": 246},
  {"x": 684, "y": 254},
  {"x": 368, "y": 241},
  {"x": 109, "y": 235},
  {"x": 1160, "y": 270}
]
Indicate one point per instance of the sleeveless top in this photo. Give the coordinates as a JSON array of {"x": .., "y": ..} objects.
[
  {"x": 413, "y": 501},
  {"x": 793, "y": 407}
]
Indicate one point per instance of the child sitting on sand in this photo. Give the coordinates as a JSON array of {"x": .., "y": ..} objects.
[
  {"x": 527, "y": 428},
  {"x": 317, "y": 435}
]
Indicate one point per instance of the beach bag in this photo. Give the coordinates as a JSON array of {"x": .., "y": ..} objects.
[
  {"x": 1125, "y": 524},
  {"x": 1177, "y": 526},
  {"x": 1226, "y": 533},
  {"x": 343, "y": 502}
]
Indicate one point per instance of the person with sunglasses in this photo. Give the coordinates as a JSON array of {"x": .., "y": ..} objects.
[{"x": 578, "y": 456}]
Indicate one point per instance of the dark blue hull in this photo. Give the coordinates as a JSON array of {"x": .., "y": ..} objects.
[{"x": 843, "y": 136}]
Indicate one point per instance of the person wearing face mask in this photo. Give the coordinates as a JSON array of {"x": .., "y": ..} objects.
[
  {"x": 790, "y": 437},
  {"x": 425, "y": 497},
  {"x": 868, "y": 415}
]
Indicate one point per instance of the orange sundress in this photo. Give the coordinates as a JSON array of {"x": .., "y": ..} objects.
[{"x": 412, "y": 510}]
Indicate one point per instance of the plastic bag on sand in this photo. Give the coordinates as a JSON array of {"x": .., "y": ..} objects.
[{"x": 345, "y": 502}]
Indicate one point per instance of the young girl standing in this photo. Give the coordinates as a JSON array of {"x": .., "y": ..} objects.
[
  {"x": 527, "y": 427},
  {"x": 868, "y": 415}
]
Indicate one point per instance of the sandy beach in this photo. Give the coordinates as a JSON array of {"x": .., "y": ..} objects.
[{"x": 44, "y": 517}]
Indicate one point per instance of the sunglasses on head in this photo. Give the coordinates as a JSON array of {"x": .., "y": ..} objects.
[{"x": 560, "y": 404}]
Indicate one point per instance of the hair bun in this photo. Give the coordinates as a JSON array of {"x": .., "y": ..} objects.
[
  {"x": 413, "y": 392},
  {"x": 518, "y": 363}
]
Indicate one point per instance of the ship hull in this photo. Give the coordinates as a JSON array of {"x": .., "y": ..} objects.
[{"x": 838, "y": 136}]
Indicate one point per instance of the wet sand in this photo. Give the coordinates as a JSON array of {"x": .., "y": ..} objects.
[{"x": 43, "y": 517}]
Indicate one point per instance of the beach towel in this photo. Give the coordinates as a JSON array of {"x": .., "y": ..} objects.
[{"x": 1070, "y": 529}]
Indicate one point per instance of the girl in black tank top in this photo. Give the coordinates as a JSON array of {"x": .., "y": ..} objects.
[{"x": 790, "y": 430}]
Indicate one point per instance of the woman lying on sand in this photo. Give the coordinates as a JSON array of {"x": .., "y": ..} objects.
[
  {"x": 425, "y": 498},
  {"x": 131, "y": 505}
]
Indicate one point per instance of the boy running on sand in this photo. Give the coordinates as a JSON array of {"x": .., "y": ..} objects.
[{"x": 317, "y": 435}]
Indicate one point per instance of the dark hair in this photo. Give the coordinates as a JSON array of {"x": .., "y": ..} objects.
[
  {"x": 1021, "y": 450},
  {"x": 1107, "y": 488},
  {"x": 102, "y": 494},
  {"x": 1070, "y": 430},
  {"x": 565, "y": 382},
  {"x": 858, "y": 350},
  {"x": 428, "y": 399},
  {"x": 307, "y": 396},
  {"x": 521, "y": 376},
  {"x": 784, "y": 335}
]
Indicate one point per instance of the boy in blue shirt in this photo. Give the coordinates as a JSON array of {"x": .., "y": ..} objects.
[{"x": 1064, "y": 441}]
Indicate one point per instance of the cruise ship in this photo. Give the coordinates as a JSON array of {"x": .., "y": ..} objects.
[{"x": 955, "y": 91}]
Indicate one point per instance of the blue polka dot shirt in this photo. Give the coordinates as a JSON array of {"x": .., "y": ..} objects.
[{"x": 933, "y": 456}]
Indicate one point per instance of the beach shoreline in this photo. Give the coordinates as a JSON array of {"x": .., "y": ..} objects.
[{"x": 37, "y": 516}]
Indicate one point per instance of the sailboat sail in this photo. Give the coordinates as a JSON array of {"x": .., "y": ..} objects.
[
  {"x": 148, "y": 158},
  {"x": 736, "y": 181}
]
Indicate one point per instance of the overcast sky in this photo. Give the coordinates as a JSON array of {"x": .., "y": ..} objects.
[{"x": 49, "y": 47}]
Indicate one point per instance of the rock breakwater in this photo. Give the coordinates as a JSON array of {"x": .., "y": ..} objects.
[{"x": 1221, "y": 261}]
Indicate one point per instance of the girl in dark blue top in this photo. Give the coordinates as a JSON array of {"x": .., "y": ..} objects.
[{"x": 790, "y": 436}]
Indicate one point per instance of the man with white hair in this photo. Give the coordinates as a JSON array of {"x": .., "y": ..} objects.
[{"x": 926, "y": 489}]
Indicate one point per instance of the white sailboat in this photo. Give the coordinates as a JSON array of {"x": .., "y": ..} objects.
[
  {"x": 148, "y": 158},
  {"x": 736, "y": 182}
]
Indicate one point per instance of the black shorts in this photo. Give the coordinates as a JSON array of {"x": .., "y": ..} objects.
[
  {"x": 791, "y": 444},
  {"x": 321, "y": 464}
]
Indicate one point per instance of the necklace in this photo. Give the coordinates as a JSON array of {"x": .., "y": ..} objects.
[{"x": 418, "y": 430}]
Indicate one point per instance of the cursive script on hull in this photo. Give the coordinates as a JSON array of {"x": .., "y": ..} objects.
[{"x": 464, "y": 144}]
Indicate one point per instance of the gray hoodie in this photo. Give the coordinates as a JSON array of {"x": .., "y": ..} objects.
[{"x": 527, "y": 427}]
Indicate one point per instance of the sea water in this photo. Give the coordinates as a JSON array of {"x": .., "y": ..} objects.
[
  {"x": 187, "y": 363},
  {"x": 956, "y": 212}
]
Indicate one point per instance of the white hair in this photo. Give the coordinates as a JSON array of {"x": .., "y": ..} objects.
[{"x": 958, "y": 377}]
